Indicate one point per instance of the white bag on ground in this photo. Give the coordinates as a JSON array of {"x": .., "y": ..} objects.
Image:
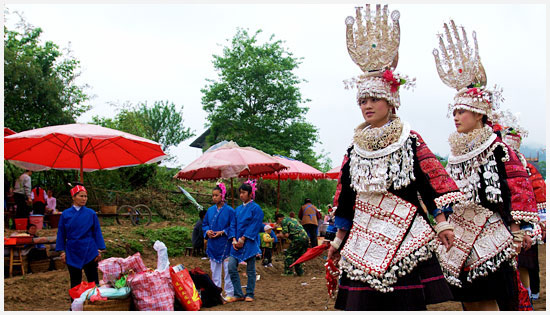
[
  {"x": 78, "y": 304},
  {"x": 162, "y": 256}
]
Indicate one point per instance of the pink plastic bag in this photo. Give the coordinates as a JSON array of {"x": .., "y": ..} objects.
[
  {"x": 152, "y": 290},
  {"x": 113, "y": 267}
]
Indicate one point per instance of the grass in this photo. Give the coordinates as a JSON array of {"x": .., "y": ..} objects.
[{"x": 176, "y": 238}]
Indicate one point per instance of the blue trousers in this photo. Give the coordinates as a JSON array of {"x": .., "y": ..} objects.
[{"x": 236, "y": 280}]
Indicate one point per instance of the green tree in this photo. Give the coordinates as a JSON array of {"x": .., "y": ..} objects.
[
  {"x": 441, "y": 159},
  {"x": 162, "y": 122},
  {"x": 256, "y": 99},
  {"x": 541, "y": 168},
  {"x": 39, "y": 81}
]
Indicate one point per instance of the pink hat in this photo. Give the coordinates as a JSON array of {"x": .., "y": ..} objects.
[{"x": 267, "y": 227}]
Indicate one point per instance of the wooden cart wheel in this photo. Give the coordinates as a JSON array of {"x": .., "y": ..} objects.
[
  {"x": 124, "y": 215},
  {"x": 141, "y": 215}
]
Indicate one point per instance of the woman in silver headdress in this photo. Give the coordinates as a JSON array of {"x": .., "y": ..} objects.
[
  {"x": 489, "y": 224},
  {"x": 507, "y": 125},
  {"x": 384, "y": 241}
]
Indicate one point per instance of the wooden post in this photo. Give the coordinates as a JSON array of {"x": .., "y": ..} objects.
[{"x": 232, "y": 198}]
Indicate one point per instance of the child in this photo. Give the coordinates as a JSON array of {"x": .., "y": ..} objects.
[
  {"x": 266, "y": 246},
  {"x": 51, "y": 203},
  {"x": 246, "y": 242}
]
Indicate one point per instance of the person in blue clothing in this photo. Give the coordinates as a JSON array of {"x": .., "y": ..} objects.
[
  {"x": 215, "y": 226},
  {"x": 331, "y": 228},
  {"x": 246, "y": 242},
  {"x": 79, "y": 238}
]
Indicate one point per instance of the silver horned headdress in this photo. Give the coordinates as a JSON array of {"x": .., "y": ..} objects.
[
  {"x": 373, "y": 45},
  {"x": 461, "y": 69}
]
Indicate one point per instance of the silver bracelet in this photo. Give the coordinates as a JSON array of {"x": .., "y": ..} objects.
[
  {"x": 443, "y": 226},
  {"x": 336, "y": 243},
  {"x": 518, "y": 235}
]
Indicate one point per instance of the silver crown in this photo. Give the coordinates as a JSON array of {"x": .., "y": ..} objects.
[
  {"x": 374, "y": 43},
  {"x": 460, "y": 68}
]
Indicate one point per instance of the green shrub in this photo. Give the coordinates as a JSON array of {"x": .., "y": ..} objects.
[{"x": 176, "y": 238}]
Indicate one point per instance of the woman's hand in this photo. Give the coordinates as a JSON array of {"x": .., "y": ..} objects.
[
  {"x": 514, "y": 227},
  {"x": 447, "y": 237},
  {"x": 517, "y": 247},
  {"x": 98, "y": 257},
  {"x": 238, "y": 246},
  {"x": 63, "y": 258},
  {"x": 333, "y": 254},
  {"x": 527, "y": 242}
]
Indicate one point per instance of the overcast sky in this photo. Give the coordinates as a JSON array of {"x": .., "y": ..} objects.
[{"x": 149, "y": 52}]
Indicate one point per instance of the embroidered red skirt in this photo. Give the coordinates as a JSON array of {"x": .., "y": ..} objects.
[
  {"x": 412, "y": 292},
  {"x": 499, "y": 285},
  {"x": 529, "y": 258}
]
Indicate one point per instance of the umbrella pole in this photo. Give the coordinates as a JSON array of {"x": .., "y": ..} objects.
[
  {"x": 278, "y": 190},
  {"x": 81, "y": 171},
  {"x": 232, "y": 198}
]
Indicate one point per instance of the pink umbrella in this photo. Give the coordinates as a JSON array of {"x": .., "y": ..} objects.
[
  {"x": 83, "y": 147},
  {"x": 333, "y": 173},
  {"x": 8, "y": 132},
  {"x": 229, "y": 161},
  {"x": 296, "y": 170}
]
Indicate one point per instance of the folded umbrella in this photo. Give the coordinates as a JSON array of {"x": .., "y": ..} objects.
[
  {"x": 332, "y": 272},
  {"x": 311, "y": 253},
  {"x": 193, "y": 201}
]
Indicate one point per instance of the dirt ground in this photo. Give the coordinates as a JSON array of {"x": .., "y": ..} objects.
[{"x": 47, "y": 291}]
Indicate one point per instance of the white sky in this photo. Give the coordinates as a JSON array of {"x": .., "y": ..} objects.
[{"x": 149, "y": 52}]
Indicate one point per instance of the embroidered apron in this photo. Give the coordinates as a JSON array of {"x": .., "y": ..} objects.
[{"x": 386, "y": 239}]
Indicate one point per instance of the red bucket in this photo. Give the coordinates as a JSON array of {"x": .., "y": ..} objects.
[
  {"x": 37, "y": 220},
  {"x": 54, "y": 220},
  {"x": 21, "y": 224}
]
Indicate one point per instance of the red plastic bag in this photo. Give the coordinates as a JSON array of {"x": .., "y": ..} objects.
[
  {"x": 77, "y": 291},
  {"x": 152, "y": 290},
  {"x": 185, "y": 289}
]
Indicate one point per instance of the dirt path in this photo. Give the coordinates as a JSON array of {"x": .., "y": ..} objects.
[{"x": 48, "y": 291}]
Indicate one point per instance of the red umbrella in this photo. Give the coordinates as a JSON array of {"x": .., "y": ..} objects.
[
  {"x": 332, "y": 272},
  {"x": 8, "y": 132},
  {"x": 311, "y": 253},
  {"x": 83, "y": 147},
  {"x": 333, "y": 173},
  {"x": 229, "y": 161}
]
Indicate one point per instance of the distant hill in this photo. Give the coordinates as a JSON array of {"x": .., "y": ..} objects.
[{"x": 531, "y": 152}]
